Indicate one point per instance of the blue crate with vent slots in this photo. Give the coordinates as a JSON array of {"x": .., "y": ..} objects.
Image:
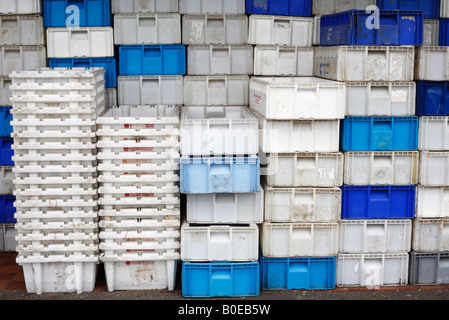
[
  {"x": 432, "y": 98},
  {"x": 429, "y": 8},
  {"x": 6, "y": 118},
  {"x": 91, "y": 13},
  {"x": 6, "y": 151},
  {"x": 301, "y": 8},
  {"x": 444, "y": 32},
  {"x": 7, "y": 209}
]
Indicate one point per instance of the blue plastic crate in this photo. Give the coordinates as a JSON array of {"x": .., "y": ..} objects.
[
  {"x": 220, "y": 175},
  {"x": 220, "y": 279},
  {"x": 301, "y": 8},
  {"x": 350, "y": 28},
  {"x": 379, "y": 134},
  {"x": 432, "y": 98},
  {"x": 429, "y": 8},
  {"x": 378, "y": 202},
  {"x": 6, "y": 151},
  {"x": 444, "y": 32},
  {"x": 92, "y": 13},
  {"x": 7, "y": 208},
  {"x": 167, "y": 59},
  {"x": 306, "y": 273},
  {"x": 108, "y": 63},
  {"x": 6, "y": 118}
]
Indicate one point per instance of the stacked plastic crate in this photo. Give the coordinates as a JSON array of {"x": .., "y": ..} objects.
[
  {"x": 219, "y": 162},
  {"x": 378, "y": 137},
  {"x": 430, "y": 245},
  {"x": 55, "y": 183},
  {"x": 138, "y": 151},
  {"x": 22, "y": 48}
]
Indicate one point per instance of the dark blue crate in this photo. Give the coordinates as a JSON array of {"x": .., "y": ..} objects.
[
  {"x": 444, "y": 32},
  {"x": 378, "y": 202},
  {"x": 220, "y": 279},
  {"x": 300, "y": 8},
  {"x": 6, "y": 151},
  {"x": 379, "y": 134},
  {"x": 299, "y": 273},
  {"x": 152, "y": 60},
  {"x": 350, "y": 28},
  {"x": 429, "y": 8},
  {"x": 109, "y": 64},
  {"x": 432, "y": 98},
  {"x": 6, "y": 118},
  {"x": 7, "y": 208},
  {"x": 92, "y": 13}
]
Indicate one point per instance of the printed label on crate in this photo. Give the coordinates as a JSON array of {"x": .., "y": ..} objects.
[
  {"x": 257, "y": 99},
  {"x": 138, "y": 126},
  {"x": 127, "y": 149},
  {"x": 139, "y": 194},
  {"x": 128, "y": 263},
  {"x": 137, "y": 174}
]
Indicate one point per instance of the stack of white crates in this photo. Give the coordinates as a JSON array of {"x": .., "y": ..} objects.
[{"x": 54, "y": 113}]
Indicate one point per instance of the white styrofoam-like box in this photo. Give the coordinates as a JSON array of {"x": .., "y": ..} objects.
[
  {"x": 136, "y": 6},
  {"x": 212, "y": 7},
  {"x": 381, "y": 168},
  {"x": 20, "y": 6},
  {"x": 280, "y": 30},
  {"x": 283, "y": 61},
  {"x": 334, "y": 6},
  {"x": 434, "y": 169},
  {"x": 432, "y": 202},
  {"x": 295, "y": 98},
  {"x": 433, "y": 133},
  {"x": 302, "y": 204},
  {"x": 22, "y": 30},
  {"x": 431, "y": 32},
  {"x": 431, "y": 63},
  {"x": 430, "y": 235}
]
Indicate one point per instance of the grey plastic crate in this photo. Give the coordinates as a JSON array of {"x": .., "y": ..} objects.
[
  {"x": 135, "y": 6},
  {"x": 21, "y": 58},
  {"x": 150, "y": 90},
  {"x": 110, "y": 97},
  {"x": 429, "y": 268},
  {"x": 6, "y": 180},
  {"x": 212, "y": 6},
  {"x": 5, "y": 91},
  {"x": 22, "y": 30},
  {"x": 10, "y": 239},
  {"x": 21, "y": 6}
]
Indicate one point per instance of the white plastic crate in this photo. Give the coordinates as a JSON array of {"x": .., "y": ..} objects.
[
  {"x": 431, "y": 63},
  {"x": 431, "y": 32},
  {"x": 434, "y": 169},
  {"x": 381, "y": 168},
  {"x": 316, "y": 30},
  {"x": 56, "y": 236},
  {"x": 6, "y": 180},
  {"x": 299, "y": 239},
  {"x": 289, "y": 136},
  {"x": 63, "y": 205},
  {"x": 214, "y": 29},
  {"x": 136, "y": 6},
  {"x": 61, "y": 215},
  {"x": 433, "y": 133},
  {"x": 380, "y": 99},
  {"x": 110, "y": 97},
  {"x": 137, "y": 168},
  {"x": 375, "y": 236},
  {"x": 217, "y": 130},
  {"x": 139, "y": 224},
  {"x": 212, "y": 7},
  {"x": 302, "y": 205},
  {"x": 140, "y": 275},
  {"x": 283, "y": 61},
  {"x": 60, "y": 76},
  {"x": 219, "y": 242},
  {"x": 139, "y": 201},
  {"x": 157, "y": 213},
  {"x": 139, "y": 235},
  {"x": 20, "y": 6},
  {"x": 139, "y": 245},
  {"x": 5, "y": 92},
  {"x": 430, "y": 235},
  {"x": 280, "y": 30},
  {"x": 221, "y": 59},
  {"x": 55, "y": 248},
  {"x": 224, "y": 208},
  {"x": 372, "y": 270},
  {"x": 365, "y": 63},
  {"x": 80, "y": 42},
  {"x": 216, "y": 90},
  {"x": 444, "y": 9},
  {"x": 303, "y": 170},
  {"x": 432, "y": 202},
  {"x": 147, "y": 28},
  {"x": 150, "y": 90},
  {"x": 139, "y": 257},
  {"x": 334, "y": 6},
  {"x": 22, "y": 30},
  {"x": 297, "y": 98}
]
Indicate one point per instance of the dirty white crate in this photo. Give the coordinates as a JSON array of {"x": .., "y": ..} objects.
[
  {"x": 297, "y": 239},
  {"x": 289, "y": 136},
  {"x": 147, "y": 28},
  {"x": 212, "y": 7},
  {"x": 5, "y": 91},
  {"x": 140, "y": 168},
  {"x": 432, "y": 63},
  {"x": 379, "y": 236},
  {"x": 334, "y": 6},
  {"x": 20, "y": 6},
  {"x": 50, "y": 92},
  {"x": 222, "y": 59},
  {"x": 138, "y": 200},
  {"x": 303, "y": 169},
  {"x": 80, "y": 42},
  {"x": 121, "y": 224},
  {"x": 55, "y": 248},
  {"x": 216, "y": 90},
  {"x": 432, "y": 202},
  {"x": 157, "y": 213},
  {"x": 63, "y": 77},
  {"x": 380, "y": 98},
  {"x": 69, "y": 215},
  {"x": 139, "y": 191},
  {"x": 22, "y": 30},
  {"x": 444, "y": 9},
  {"x": 217, "y": 130},
  {"x": 283, "y": 61},
  {"x": 132, "y": 236},
  {"x": 433, "y": 133},
  {"x": 297, "y": 98},
  {"x": 219, "y": 242},
  {"x": 136, "y": 6},
  {"x": 55, "y": 193},
  {"x": 139, "y": 245},
  {"x": 110, "y": 97},
  {"x": 89, "y": 204},
  {"x": 372, "y": 270},
  {"x": 434, "y": 168},
  {"x": 140, "y": 275},
  {"x": 225, "y": 208},
  {"x": 150, "y": 90},
  {"x": 302, "y": 204},
  {"x": 381, "y": 168},
  {"x": 431, "y": 32},
  {"x": 365, "y": 63},
  {"x": 6, "y": 180},
  {"x": 214, "y": 29},
  {"x": 280, "y": 30},
  {"x": 430, "y": 235},
  {"x": 316, "y": 30}
]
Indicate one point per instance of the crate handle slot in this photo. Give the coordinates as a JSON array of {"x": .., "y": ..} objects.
[
  {"x": 10, "y": 23},
  {"x": 79, "y": 35},
  {"x": 215, "y": 22},
  {"x": 379, "y": 195},
  {"x": 147, "y": 21},
  {"x": 379, "y": 53},
  {"x": 150, "y": 83},
  {"x": 286, "y": 53},
  {"x": 219, "y": 83},
  {"x": 220, "y": 52}
]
